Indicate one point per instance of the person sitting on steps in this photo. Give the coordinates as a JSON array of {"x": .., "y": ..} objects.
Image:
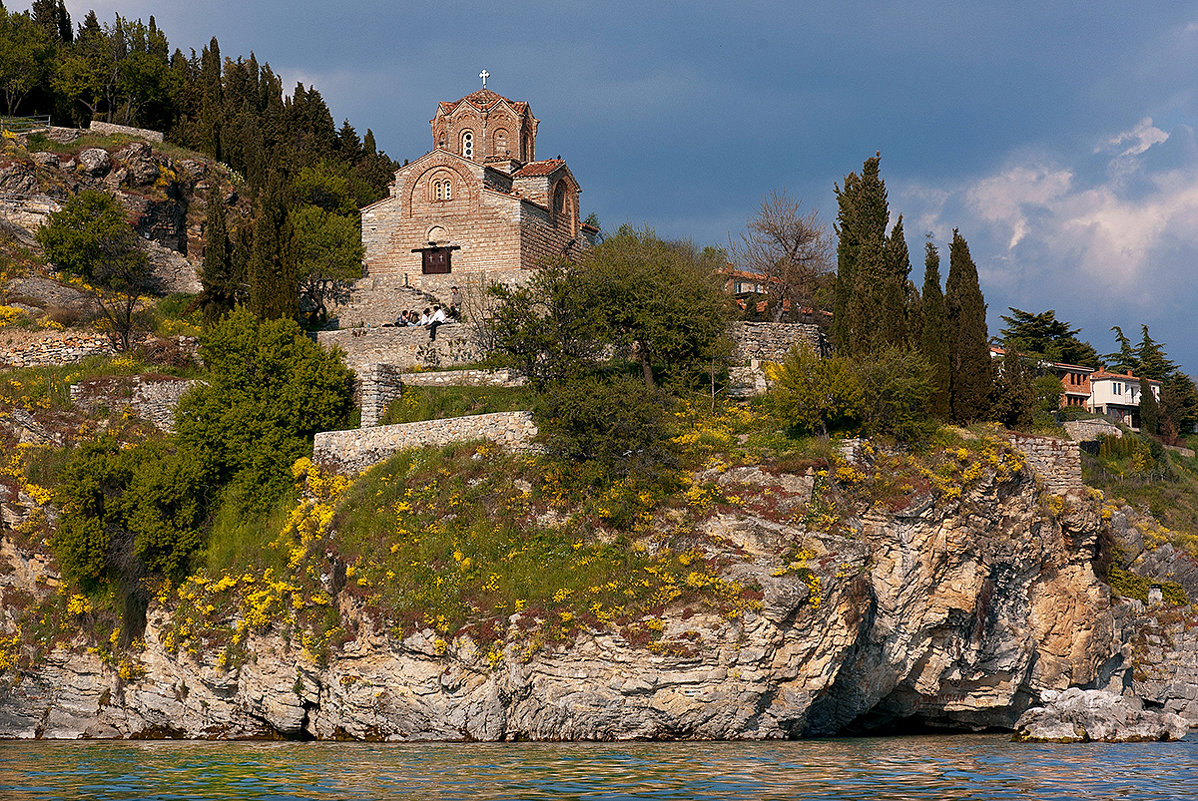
[{"x": 437, "y": 319}]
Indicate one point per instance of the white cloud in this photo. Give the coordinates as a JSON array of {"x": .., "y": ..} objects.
[
  {"x": 1142, "y": 137},
  {"x": 1060, "y": 230}
]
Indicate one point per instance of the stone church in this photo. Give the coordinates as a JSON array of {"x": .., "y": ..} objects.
[{"x": 480, "y": 202}]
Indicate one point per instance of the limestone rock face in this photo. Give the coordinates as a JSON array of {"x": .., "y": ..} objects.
[
  {"x": 95, "y": 161},
  {"x": 1077, "y": 715},
  {"x": 958, "y": 614}
]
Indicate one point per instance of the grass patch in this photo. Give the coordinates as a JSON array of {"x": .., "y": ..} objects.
[
  {"x": 434, "y": 403},
  {"x": 239, "y": 539}
]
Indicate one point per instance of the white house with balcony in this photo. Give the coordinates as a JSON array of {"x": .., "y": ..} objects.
[{"x": 1117, "y": 395}]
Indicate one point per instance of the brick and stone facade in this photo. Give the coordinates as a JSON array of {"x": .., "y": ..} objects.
[
  {"x": 479, "y": 196},
  {"x": 1056, "y": 462}
]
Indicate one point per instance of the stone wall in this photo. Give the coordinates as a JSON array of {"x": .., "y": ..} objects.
[
  {"x": 463, "y": 378},
  {"x": 56, "y": 349},
  {"x": 1091, "y": 430},
  {"x": 358, "y": 449},
  {"x": 403, "y": 347},
  {"x": 151, "y": 397},
  {"x": 769, "y": 342},
  {"x": 109, "y": 129},
  {"x": 1056, "y": 462},
  {"x": 380, "y": 385}
]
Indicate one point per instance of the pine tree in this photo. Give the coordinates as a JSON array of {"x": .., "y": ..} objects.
[
  {"x": 52, "y": 16},
  {"x": 1044, "y": 336},
  {"x": 935, "y": 340},
  {"x": 1153, "y": 363},
  {"x": 1125, "y": 360},
  {"x": 274, "y": 286},
  {"x": 971, "y": 373}
]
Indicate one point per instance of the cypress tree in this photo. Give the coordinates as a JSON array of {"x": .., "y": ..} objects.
[
  {"x": 221, "y": 287},
  {"x": 1150, "y": 410},
  {"x": 861, "y": 261},
  {"x": 274, "y": 286},
  {"x": 970, "y": 370},
  {"x": 892, "y": 293},
  {"x": 934, "y": 339},
  {"x": 211, "y": 110}
]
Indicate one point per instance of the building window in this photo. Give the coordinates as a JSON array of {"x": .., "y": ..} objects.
[
  {"x": 500, "y": 142},
  {"x": 442, "y": 189},
  {"x": 1117, "y": 388},
  {"x": 468, "y": 145}
]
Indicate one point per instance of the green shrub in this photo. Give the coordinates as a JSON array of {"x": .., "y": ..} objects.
[
  {"x": 896, "y": 384},
  {"x": 618, "y": 425},
  {"x": 269, "y": 390},
  {"x": 1132, "y": 585},
  {"x": 814, "y": 395}
]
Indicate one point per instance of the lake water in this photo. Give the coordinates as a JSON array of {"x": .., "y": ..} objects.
[{"x": 956, "y": 767}]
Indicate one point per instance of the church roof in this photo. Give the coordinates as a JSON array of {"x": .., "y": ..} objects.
[
  {"x": 484, "y": 100},
  {"x": 533, "y": 168}
]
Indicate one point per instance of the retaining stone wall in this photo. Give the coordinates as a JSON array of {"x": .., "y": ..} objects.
[
  {"x": 152, "y": 398},
  {"x": 57, "y": 350},
  {"x": 358, "y": 449},
  {"x": 463, "y": 378},
  {"x": 107, "y": 128},
  {"x": 1057, "y": 462},
  {"x": 402, "y": 347},
  {"x": 380, "y": 385},
  {"x": 769, "y": 342},
  {"x": 1091, "y": 430}
]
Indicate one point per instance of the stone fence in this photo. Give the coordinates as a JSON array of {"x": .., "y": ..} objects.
[
  {"x": 769, "y": 342},
  {"x": 57, "y": 349},
  {"x": 150, "y": 397},
  {"x": 381, "y": 384},
  {"x": 403, "y": 347},
  {"x": 356, "y": 450},
  {"x": 1057, "y": 462},
  {"x": 108, "y": 129},
  {"x": 1091, "y": 430}
]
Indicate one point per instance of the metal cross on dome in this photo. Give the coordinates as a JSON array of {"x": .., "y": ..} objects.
[{"x": 484, "y": 75}]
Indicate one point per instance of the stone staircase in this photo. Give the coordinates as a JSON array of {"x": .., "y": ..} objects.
[{"x": 375, "y": 301}]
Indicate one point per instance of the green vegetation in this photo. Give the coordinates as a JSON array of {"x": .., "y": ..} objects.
[
  {"x": 90, "y": 238},
  {"x": 434, "y": 403}
]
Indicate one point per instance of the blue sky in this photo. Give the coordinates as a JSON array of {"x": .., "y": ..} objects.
[{"x": 1059, "y": 137}]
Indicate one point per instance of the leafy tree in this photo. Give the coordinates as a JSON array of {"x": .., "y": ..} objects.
[
  {"x": 547, "y": 330},
  {"x": 790, "y": 249},
  {"x": 1047, "y": 390},
  {"x": 1013, "y": 399},
  {"x": 1179, "y": 407},
  {"x": 935, "y": 336},
  {"x": 26, "y": 53},
  {"x": 817, "y": 396},
  {"x": 661, "y": 301},
  {"x": 1043, "y": 336},
  {"x": 127, "y": 514},
  {"x": 90, "y": 238},
  {"x": 620, "y": 426},
  {"x": 971, "y": 373},
  {"x": 896, "y": 383},
  {"x": 328, "y": 253},
  {"x": 269, "y": 390}
]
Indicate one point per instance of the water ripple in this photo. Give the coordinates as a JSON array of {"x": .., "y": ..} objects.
[{"x": 977, "y": 768}]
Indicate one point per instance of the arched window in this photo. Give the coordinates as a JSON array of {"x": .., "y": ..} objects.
[
  {"x": 563, "y": 210},
  {"x": 500, "y": 142},
  {"x": 441, "y": 188},
  {"x": 437, "y": 191},
  {"x": 468, "y": 144}
]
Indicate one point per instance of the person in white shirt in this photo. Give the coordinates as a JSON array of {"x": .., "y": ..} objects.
[{"x": 437, "y": 319}]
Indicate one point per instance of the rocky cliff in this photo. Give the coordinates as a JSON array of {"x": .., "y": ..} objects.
[{"x": 953, "y": 612}]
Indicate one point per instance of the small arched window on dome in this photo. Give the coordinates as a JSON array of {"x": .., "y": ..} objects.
[
  {"x": 501, "y": 143},
  {"x": 468, "y": 144}
]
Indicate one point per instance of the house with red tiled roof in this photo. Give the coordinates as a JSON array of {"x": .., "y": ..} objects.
[
  {"x": 480, "y": 202},
  {"x": 1075, "y": 379}
]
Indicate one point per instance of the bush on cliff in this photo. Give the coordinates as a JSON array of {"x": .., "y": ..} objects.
[{"x": 269, "y": 390}]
